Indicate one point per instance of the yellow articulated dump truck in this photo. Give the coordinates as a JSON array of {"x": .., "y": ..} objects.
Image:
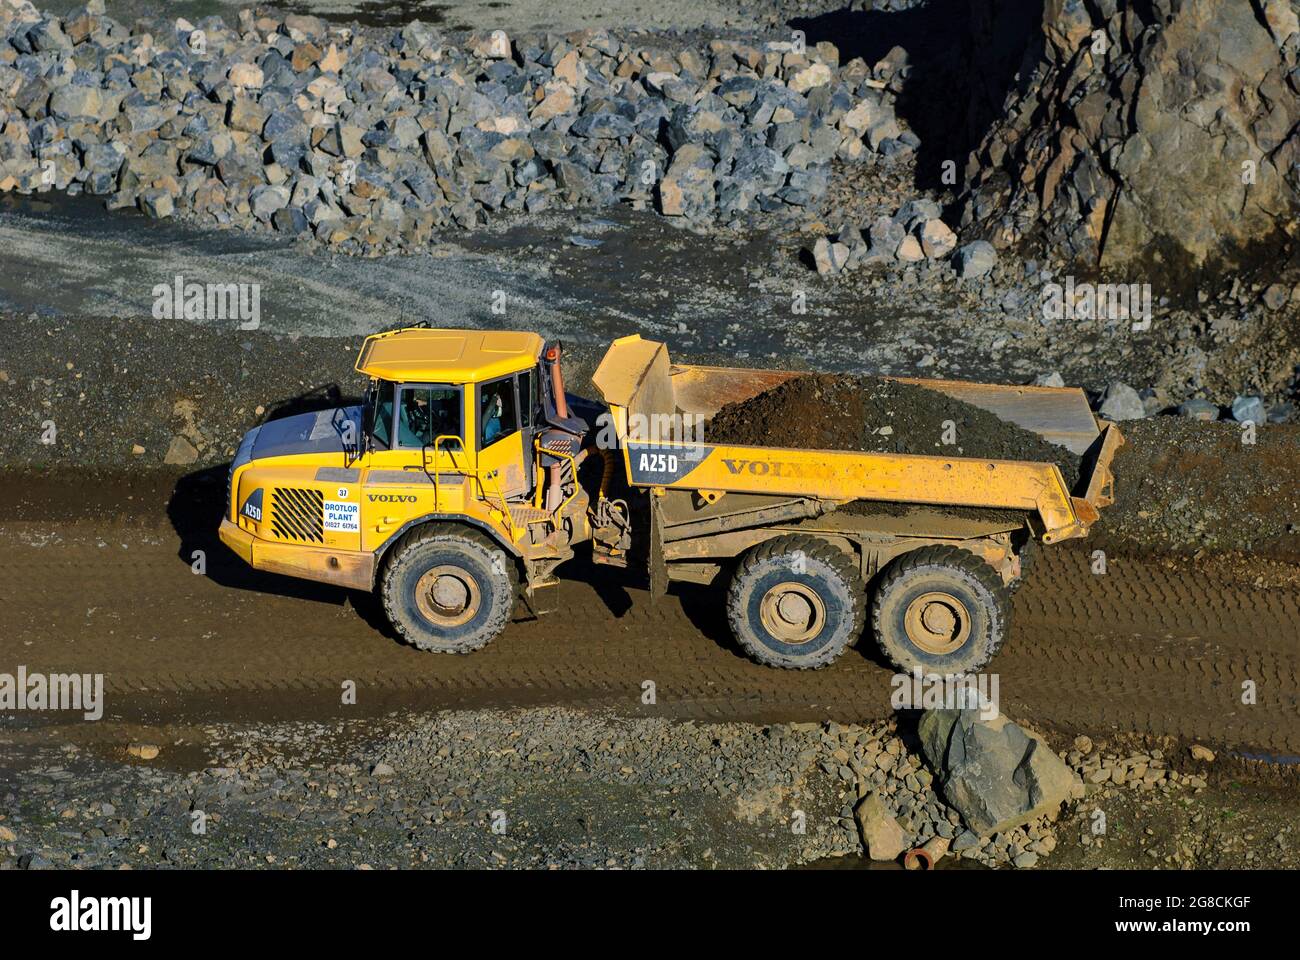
[{"x": 468, "y": 475}]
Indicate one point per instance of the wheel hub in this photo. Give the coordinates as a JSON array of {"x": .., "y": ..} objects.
[
  {"x": 937, "y": 622},
  {"x": 792, "y": 612},
  {"x": 450, "y": 592},
  {"x": 448, "y": 596}
]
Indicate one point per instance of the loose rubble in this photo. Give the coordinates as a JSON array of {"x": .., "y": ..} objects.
[
  {"x": 429, "y": 789},
  {"x": 548, "y": 788},
  {"x": 914, "y": 233},
  {"x": 371, "y": 141}
]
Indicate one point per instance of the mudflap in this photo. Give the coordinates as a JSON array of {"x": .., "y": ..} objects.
[
  {"x": 540, "y": 575},
  {"x": 658, "y": 567}
]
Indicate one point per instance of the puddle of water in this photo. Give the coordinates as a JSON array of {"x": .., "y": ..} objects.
[{"x": 1283, "y": 760}]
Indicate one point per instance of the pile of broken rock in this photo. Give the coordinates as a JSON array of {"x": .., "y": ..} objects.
[
  {"x": 369, "y": 140},
  {"x": 988, "y": 791},
  {"x": 915, "y": 233}
]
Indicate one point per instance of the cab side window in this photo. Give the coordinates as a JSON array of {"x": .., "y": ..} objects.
[
  {"x": 498, "y": 412},
  {"x": 381, "y": 426},
  {"x": 426, "y": 413},
  {"x": 527, "y": 397}
]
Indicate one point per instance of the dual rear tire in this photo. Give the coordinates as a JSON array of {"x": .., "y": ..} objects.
[
  {"x": 942, "y": 609},
  {"x": 798, "y": 602}
]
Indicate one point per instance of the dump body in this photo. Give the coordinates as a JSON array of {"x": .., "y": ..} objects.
[{"x": 656, "y": 408}]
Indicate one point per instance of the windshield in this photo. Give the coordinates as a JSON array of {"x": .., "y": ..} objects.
[{"x": 426, "y": 413}]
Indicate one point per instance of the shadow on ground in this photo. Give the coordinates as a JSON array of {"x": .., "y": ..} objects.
[{"x": 964, "y": 56}]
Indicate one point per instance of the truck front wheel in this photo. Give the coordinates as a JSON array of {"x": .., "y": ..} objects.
[
  {"x": 448, "y": 589},
  {"x": 796, "y": 602},
  {"x": 942, "y": 609}
]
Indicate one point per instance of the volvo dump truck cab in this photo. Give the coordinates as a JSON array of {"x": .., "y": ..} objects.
[
  {"x": 458, "y": 482},
  {"x": 452, "y": 483}
]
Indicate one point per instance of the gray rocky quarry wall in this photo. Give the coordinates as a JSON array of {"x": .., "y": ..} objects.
[{"x": 1160, "y": 132}]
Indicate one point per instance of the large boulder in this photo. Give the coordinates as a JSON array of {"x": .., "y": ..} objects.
[
  {"x": 1122, "y": 402},
  {"x": 994, "y": 773},
  {"x": 975, "y": 259},
  {"x": 881, "y": 833},
  {"x": 1162, "y": 133},
  {"x": 687, "y": 188}
]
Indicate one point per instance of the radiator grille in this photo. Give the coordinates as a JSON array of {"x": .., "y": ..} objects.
[{"x": 298, "y": 514}]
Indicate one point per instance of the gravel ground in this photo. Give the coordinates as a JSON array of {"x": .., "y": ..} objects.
[
  {"x": 1229, "y": 812},
  {"x": 567, "y": 790},
  {"x": 700, "y": 291},
  {"x": 1184, "y": 487},
  {"x": 464, "y": 15},
  {"x": 551, "y": 788}
]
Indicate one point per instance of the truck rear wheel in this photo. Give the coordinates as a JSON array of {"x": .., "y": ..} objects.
[
  {"x": 942, "y": 609},
  {"x": 448, "y": 589},
  {"x": 796, "y": 602}
]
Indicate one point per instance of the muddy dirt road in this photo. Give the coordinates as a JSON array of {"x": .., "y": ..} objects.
[{"x": 1158, "y": 646}]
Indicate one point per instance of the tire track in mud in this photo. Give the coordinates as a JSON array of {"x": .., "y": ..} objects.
[{"x": 1145, "y": 648}]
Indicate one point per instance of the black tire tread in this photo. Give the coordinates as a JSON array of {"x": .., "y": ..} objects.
[
  {"x": 813, "y": 547},
  {"x": 942, "y": 555},
  {"x": 443, "y": 531}
]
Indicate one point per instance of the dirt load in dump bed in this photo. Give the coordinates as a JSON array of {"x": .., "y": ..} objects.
[{"x": 836, "y": 412}]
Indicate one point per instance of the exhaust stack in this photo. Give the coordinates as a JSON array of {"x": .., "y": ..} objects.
[{"x": 557, "y": 380}]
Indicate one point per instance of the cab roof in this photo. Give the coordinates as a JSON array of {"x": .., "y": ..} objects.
[{"x": 447, "y": 356}]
